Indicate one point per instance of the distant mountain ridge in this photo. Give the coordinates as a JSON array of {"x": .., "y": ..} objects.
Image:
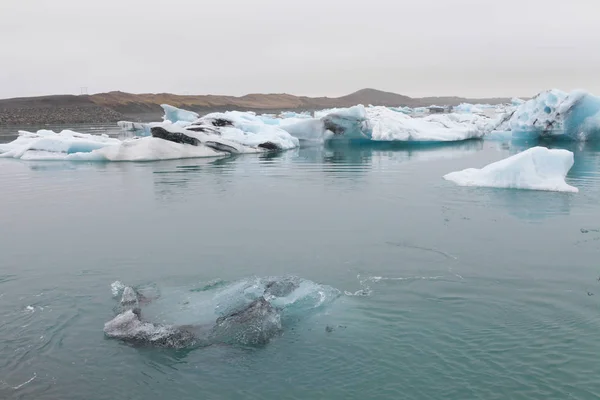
[{"x": 116, "y": 105}]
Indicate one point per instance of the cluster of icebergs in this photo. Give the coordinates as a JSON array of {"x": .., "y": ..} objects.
[{"x": 552, "y": 114}]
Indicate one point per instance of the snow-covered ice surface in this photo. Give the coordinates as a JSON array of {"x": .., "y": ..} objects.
[
  {"x": 553, "y": 114},
  {"x": 537, "y": 168}
]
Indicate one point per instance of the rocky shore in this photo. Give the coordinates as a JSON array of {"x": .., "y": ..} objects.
[{"x": 58, "y": 115}]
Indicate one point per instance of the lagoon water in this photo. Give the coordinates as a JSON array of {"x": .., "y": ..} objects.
[{"x": 448, "y": 292}]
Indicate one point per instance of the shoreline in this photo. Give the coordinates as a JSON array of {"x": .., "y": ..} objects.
[{"x": 118, "y": 106}]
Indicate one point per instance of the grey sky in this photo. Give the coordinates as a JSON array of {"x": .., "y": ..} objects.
[{"x": 308, "y": 47}]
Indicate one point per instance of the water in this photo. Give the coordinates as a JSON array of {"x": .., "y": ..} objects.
[{"x": 461, "y": 293}]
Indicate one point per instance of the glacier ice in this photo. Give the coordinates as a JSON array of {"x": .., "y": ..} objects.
[
  {"x": 216, "y": 134},
  {"x": 174, "y": 114},
  {"x": 73, "y": 146},
  {"x": 343, "y": 123},
  {"x": 554, "y": 114},
  {"x": 353, "y": 123},
  {"x": 389, "y": 125},
  {"x": 378, "y": 123},
  {"x": 467, "y": 108},
  {"x": 537, "y": 168}
]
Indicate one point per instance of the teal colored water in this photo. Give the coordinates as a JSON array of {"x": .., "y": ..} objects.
[{"x": 447, "y": 292}]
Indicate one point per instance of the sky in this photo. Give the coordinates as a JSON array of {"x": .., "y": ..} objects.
[{"x": 473, "y": 48}]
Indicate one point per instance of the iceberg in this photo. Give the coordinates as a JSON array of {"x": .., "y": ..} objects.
[
  {"x": 72, "y": 146},
  {"x": 355, "y": 123},
  {"x": 404, "y": 110},
  {"x": 166, "y": 143},
  {"x": 389, "y": 125},
  {"x": 475, "y": 108},
  {"x": 537, "y": 168},
  {"x": 378, "y": 123},
  {"x": 292, "y": 114},
  {"x": 129, "y": 126},
  {"x": 181, "y": 135},
  {"x": 342, "y": 123},
  {"x": 67, "y": 142},
  {"x": 174, "y": 114},
  {"x": 554, "y": 114}
]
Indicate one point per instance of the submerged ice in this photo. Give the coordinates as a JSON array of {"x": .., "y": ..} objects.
[
  {"x": 537, "y": 168},
  {"x": 248, "y": 312}
]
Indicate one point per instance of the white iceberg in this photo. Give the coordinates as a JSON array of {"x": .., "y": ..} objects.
[
  {"x": 469, "y": 108},
  {"x": 389, "y": 125},
  {"x": 72, "y": 146},
  {"x": 208, "y": 141},
  {"x": 554, "y": 114},
  {"x": 246, "y": 129},
  {"x": 375, "y": 123},
  {"x": 537, "y": 168}
]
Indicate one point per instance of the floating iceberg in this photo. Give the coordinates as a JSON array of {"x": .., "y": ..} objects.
[
  {"x": 380, "y": 123},
  {"x": 537, "y": 168},
  {"x": 343, "y": 123},
  {"x": 404, "y": 110},
  {"x": 174, "y": 114},
  {"x": 354, "y": 123},
  {"x": 554, "y": 114},
  {"x": 167, "y": 142},
  {"x": 68, "y": 145},
  {"x": 389, "y": 125},
  {"x": 474, "y": 108}
]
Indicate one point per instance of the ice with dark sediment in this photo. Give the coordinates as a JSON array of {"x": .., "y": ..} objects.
[{"x": 247, "y": 312}]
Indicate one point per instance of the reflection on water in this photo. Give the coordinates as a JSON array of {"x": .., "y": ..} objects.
[
  {"x": 528, "y": 205},
  {"x": 352, "y": 163}
]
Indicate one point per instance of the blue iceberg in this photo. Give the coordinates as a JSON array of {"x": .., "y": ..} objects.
[{"x": 554, "y": 114}]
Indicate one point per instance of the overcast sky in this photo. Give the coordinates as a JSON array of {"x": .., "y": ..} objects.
[{"x": 307, "y": 47}]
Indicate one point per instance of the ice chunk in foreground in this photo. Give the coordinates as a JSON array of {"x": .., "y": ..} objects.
[
  {"x": 555, "y": 114},
  {"x": 537, "y": 168}
]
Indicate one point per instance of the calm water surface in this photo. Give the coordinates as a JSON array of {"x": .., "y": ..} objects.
[{"x": 461, "y": 293}]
